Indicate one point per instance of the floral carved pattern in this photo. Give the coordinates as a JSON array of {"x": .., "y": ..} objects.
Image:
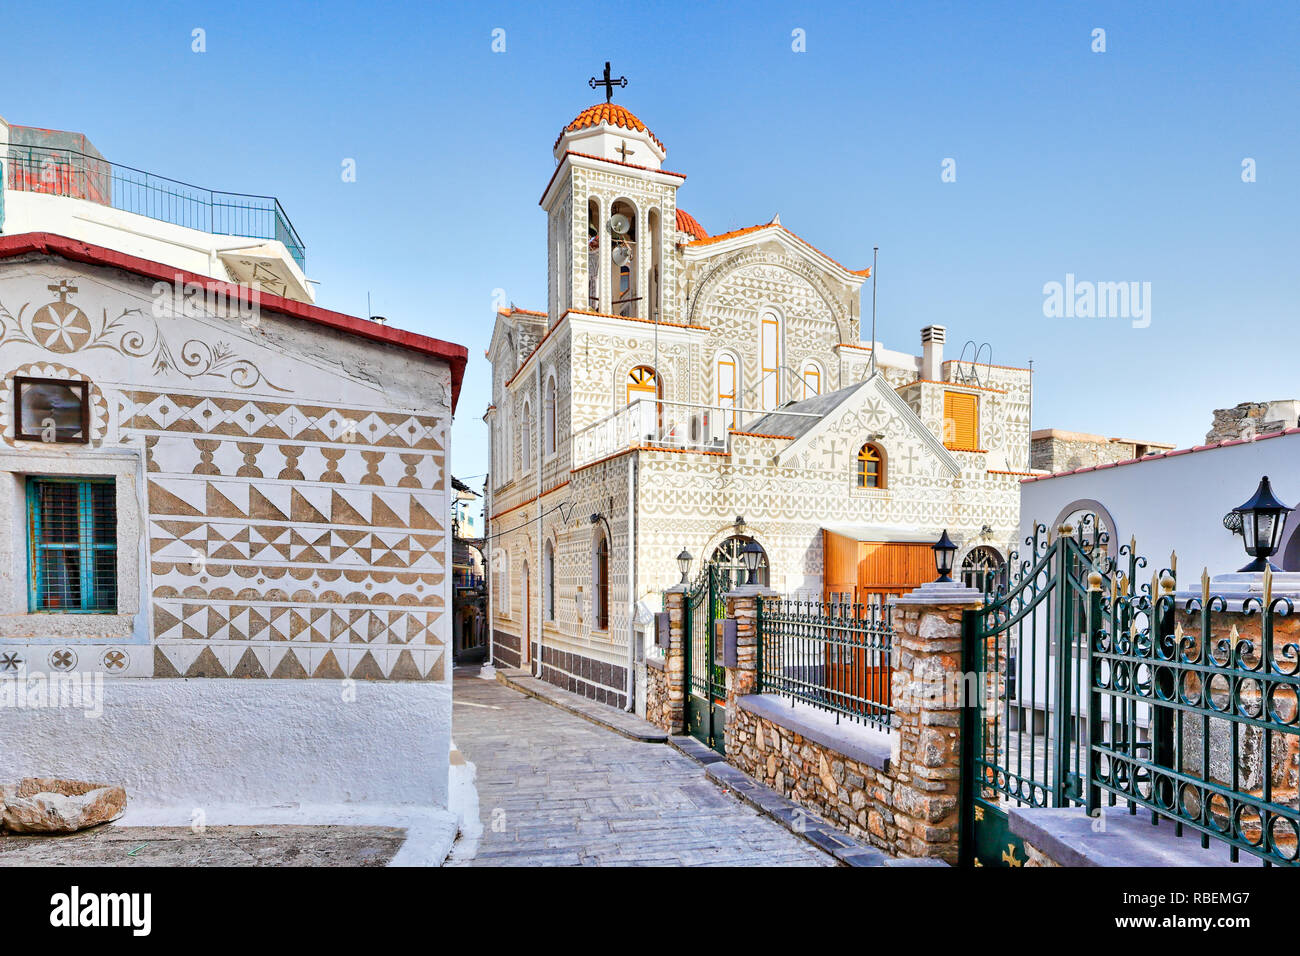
[{"x": 63, "y": 328}]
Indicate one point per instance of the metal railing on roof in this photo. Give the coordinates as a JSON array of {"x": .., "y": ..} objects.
[{"x": 58, "y": 171}]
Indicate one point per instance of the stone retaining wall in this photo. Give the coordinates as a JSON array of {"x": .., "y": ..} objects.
[
  {"x": 658, "y": 706},
  {"x": 846, "y": 793}
]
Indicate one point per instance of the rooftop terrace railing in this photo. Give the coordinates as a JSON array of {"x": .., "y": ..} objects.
[{"x": 58, "y": 171}]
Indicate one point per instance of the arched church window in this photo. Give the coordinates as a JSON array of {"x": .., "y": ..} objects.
[
  {"x": 526, "y": 439},
  {"x": 642, "y": 388},
  {"x": 600, "y": 582},
  {"x": 549, "y": 411},
  {"x": 726, "y": 557},
  {"x": 656, "y": 293},
  {"x": 623, "y": 233},
  {"x": 871, "y": 466},
  {"x": 770, "y": 358},
  {"x": 812, "y": 379},
  {"x": 548, "y": 582},
  {"x": 728, "y": 384},
  {"x": 642, "y": 382}
]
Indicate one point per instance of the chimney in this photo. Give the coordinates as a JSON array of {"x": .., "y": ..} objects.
[{"x": 932, "y": 337}]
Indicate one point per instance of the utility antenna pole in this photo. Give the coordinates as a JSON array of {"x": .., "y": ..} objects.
[{"x": 875, "y": 255}]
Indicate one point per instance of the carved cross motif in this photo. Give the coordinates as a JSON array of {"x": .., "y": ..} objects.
[
  {"x": 10, "y": 662},
  {"x": 831, "y": 453},
  {"x": 63, "y": 288},
  {"x": 624, "y": 151},
  {"x": 908, "y": 457}
]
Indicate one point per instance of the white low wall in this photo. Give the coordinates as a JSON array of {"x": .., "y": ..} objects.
[{"x": 206, "y": 742}]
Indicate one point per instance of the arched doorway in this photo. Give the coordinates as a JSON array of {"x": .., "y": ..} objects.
[{"x": 726, "y": 556}]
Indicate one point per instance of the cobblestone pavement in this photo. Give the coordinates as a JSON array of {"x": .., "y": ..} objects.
[{"x": 557, "y": 790}]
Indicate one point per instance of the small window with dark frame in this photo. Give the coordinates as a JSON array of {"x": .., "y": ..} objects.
[
  {"x": 51, "y": 410},
  {"x": 72, "y": 552}
]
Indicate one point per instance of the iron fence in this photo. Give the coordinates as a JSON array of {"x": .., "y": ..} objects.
[
  {"x": 836, "y": 657},
  {"x": 59, "y": 171},
  {"x": 1194, "y": 716}
]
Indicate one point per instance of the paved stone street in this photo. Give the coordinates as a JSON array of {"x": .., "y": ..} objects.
[{"x": 557, "y": 790}]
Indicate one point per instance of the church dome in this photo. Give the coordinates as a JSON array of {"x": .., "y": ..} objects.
[
  {"x": 608, "y": 114},
  {"x": 687, "y": 223}
]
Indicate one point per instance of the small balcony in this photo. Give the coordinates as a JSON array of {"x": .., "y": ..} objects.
[
  {"x": 59, "y": 171},
  {"x": 682, "y": 426}
]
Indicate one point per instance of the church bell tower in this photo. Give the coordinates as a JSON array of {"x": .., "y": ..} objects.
[{"x": 611, "y": 215}]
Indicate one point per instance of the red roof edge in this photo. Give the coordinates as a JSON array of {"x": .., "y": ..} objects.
[
  {"x": 1226, "y": 443},
  {"x": 45, "y": 243}
]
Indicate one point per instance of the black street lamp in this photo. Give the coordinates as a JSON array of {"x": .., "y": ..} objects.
[
  {"x": 1262, "y": 519},
  {"x": 684, "y": 563},
  {"x": 751, "y": 554},
  {"x": 944, "y": 550}
]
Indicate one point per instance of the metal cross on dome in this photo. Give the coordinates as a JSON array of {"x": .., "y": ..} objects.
[{"x": 607, "y": 83}]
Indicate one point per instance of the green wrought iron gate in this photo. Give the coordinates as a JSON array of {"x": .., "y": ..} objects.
[
  {"x": 1024, "y": 740},
  {"x": 706, "y": 681}
]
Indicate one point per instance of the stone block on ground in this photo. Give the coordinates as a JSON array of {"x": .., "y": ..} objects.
[{"x": 49, "y": 805}]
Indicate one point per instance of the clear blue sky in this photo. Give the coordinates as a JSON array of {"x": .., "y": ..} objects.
[{"x": 1115, "y": 166}]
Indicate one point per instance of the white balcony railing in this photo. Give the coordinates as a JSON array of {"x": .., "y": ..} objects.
[{"x": 650, "y": 423}]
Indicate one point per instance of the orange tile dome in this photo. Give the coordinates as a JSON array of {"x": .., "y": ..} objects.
[
  {"x": 687, "y": 223},
  {"x": 613, "y": 115}
]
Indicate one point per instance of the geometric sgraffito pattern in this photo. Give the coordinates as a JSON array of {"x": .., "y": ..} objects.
[
  {"x": 294, "y": 510},
  {"x": 289, "y": 540}
]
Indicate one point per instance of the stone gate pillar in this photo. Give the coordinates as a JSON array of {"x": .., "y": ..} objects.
[
  {"x": 929, "y": 687},
  {"x": 742, "y": 679},
  {"x": 671, "y": 712}
]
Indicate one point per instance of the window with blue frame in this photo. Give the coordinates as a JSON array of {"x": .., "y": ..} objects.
[{"x": 72, "y": 545}]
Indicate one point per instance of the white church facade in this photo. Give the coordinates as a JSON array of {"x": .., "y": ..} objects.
[{"x": 687, "y": 391}]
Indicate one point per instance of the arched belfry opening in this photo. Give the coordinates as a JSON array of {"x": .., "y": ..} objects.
[
  {"x": 623, "y": 259},
  {"x": 593, "y": 255}
]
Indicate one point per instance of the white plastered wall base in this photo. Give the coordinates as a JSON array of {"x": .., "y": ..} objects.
[{"x": 258, "y": 743}]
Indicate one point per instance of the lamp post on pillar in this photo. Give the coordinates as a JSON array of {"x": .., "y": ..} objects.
[
  {"x": 751, "y": 554},
  {"x": 1262, "y": 519},
  {"x": 944, "y": 550}
]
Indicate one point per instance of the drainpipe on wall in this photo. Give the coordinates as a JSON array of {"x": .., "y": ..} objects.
[
  {"x": 538, "y": 445},
  {"x": 631, "y": 581},
  {"x": 490, "y": 563}
]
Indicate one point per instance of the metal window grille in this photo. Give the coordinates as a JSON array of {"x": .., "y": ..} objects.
[{"x": 73, "y": 545}]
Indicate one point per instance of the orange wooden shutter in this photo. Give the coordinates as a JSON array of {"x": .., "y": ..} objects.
[{"x": 961, "y": 421}]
